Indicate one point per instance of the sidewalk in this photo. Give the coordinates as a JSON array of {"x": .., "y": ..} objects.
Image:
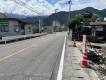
[
  {"x": 19, "y": 37},
  {"x": 72, "y": 69}
]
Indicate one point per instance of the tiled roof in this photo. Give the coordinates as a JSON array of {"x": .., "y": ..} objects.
[{"x": 21, "y": 21}]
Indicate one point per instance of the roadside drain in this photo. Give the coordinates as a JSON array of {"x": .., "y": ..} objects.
[
  {"x": 74, "y": 59},
  {"x": 76, "y": 63},
  {"x": 77, "y": 69},
  {"x": 74, "y": 56},
  {"x": 80, "y": 77}
]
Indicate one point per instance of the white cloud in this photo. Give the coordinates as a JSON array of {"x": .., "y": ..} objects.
[
  {"x": 104, "y": 1},
  {"x": 38, "y": 7},
  {"x": 44, "y": 8},
  {"x": 77, "y": 4}
]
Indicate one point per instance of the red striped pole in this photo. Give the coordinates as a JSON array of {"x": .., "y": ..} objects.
[{"x": 84, "y": 62}]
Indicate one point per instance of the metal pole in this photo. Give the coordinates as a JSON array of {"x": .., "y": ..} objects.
[
  {"x": 69, "y": 16},
  {"x": 70, "y": 2},
  {"x": 39, "y": 25},
  {"x": 55, "y": 19}
]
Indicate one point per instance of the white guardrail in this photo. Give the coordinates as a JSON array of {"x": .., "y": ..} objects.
[{"x": 20, "y": 37}]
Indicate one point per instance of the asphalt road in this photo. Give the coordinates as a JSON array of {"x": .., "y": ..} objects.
[{"x": 33, "y": 59}]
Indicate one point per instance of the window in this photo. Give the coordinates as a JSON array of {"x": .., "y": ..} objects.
[
  {"x": 99, "y": 28},
  {"x": 29, "y": 28},
  {"x": 4, "y": 27},
  {"x": 16, "y": 28}
]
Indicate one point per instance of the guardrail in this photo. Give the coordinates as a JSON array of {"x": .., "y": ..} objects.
[{"x": 9, "y": 39}]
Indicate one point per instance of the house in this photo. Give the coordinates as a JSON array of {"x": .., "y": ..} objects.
[
  {"x": 98, "y": 30},
  {"x": 83, "y": 28},
  {"x": 95, "y": 31},
  {"x": 56, "y": 25},
  {"x": 13, "y": 26}
]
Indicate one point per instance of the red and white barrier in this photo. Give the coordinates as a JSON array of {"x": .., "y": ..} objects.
[{"x": 84, "y": 62}]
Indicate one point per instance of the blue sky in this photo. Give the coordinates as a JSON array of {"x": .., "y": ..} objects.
[{"x": 53, "y": 1}]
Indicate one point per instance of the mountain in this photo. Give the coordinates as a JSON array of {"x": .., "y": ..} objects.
[
  {"x": 33, "y": 19},
  {"x": 63, "y": 16},
  {"x": 11, "y": 15},
  {"x": 60, "y": 16},
  {"x": 29, "y": 19}
]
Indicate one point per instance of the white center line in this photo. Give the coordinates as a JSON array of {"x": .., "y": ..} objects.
[{"x": 15, "y": 53}]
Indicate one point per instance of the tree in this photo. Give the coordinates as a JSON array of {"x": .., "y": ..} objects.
[
  {"x": 74, "y": 22},
  {"x": 94, "y": 17}
]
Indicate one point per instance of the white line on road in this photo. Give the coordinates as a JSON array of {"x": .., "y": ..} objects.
[
  {"x": 60, "y": 71},
  {"x": 2, "y": 59}
]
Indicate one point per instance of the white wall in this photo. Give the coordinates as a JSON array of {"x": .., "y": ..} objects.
[
  {"x": 29, "y": 29},
  {"x": 11, "y": 31},
  {"x": 56, "y": 23},
  {"x": 12, "y": 25}
]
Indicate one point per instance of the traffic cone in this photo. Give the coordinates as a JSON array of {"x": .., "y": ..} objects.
[{"x": 84, "y": 62}]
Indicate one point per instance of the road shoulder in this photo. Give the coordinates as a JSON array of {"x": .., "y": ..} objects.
[{"x": 72, "y": 69}]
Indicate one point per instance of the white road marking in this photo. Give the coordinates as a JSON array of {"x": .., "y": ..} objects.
[{"x": 60, "y": 71}]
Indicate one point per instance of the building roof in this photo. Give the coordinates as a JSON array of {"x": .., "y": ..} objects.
[
  {"x": 2, "y": 15},
  {"x": 98, "y": 23},
  {"x": 10, "y": 19},
  {"x": 19, "y": 20}
]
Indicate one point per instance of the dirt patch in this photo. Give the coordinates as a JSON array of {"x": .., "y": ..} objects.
[
  {"x": 102, "y": 67},
  {"x": 104, "y": 51}
]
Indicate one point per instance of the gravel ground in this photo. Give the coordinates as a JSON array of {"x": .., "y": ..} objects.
[{"x": 101, "y": 68}]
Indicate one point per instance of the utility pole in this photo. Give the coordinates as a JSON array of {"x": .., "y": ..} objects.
[
  {"x": 70, "y": 3},
  {"x": 55, "y": 19},
  {"x": 39, "y": 25},
  {"x": 69, "y": 16}
]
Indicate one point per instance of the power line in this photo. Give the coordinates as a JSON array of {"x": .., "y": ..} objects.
[
  {"x": 25, "y": 5},
  {"x": 30, "y": 8},
  {"x": 69, "y": 2}
]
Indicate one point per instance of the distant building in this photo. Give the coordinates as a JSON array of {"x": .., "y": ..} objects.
[
  {"x": 83, "y": 28},
  {"x": 13, "y": 26},
  {"x": 98, "y": 30},
  {"x": 57, "y": 26},
  {"x": 95, "y": 31},
  {"x": 86, "y": 19}
]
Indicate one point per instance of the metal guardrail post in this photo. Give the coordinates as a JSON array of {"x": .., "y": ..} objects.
[{"x": 5, "y": 42}]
